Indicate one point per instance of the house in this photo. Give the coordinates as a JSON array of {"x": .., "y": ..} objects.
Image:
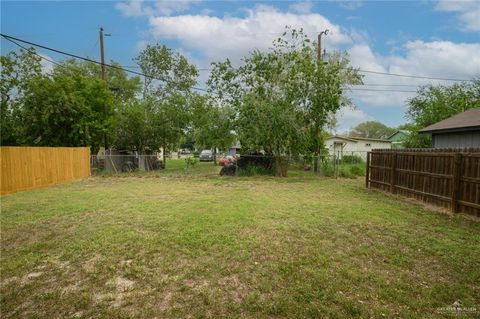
[
  {"x": 343, "y": 145},
  {"x": 398, "y": 138},
  {"x": 459, "y": 131}
]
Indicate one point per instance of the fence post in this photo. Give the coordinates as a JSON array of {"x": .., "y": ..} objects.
[
  {"x": 457, "y": 163},
  {"x": 367, "y": 173},
  {"x": 393, "y": 172}
]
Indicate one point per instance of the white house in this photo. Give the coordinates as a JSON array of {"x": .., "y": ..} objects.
[{"x": 343, "y": 145}]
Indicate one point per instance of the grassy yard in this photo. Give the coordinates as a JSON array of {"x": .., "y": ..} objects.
[{"x": 176, "y": 245}]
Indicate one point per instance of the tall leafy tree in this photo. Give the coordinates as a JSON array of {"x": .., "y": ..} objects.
[
  {"x": 66, "y": 109},
  {"x": 435, "y": 103},
  {"x": 18, "y": 69},
  {"x": 212, "y": 125},
  {"x": 372, "y": 129},
  {"x": 168, "y": 87},
  {"x": 134, "y": 127},
  {"x": 282, "y": 98}
]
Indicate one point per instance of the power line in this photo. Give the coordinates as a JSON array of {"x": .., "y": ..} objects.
[
  {"x": 380, "y": 90},
  {"x": 148, "y": 76},
  {"x": 375, "y": 84},
  {"x": 87, "y": 59},
  {"x": 35, "y": 53},
  {"x": 353, "y": 89},
  {"x": 413, "y": 76},
  {"x": 123, "y": 68}
]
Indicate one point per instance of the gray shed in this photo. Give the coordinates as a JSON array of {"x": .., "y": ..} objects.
[{"x": 459, "y": 131}]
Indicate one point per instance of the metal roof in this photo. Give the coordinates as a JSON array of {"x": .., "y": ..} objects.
[{"x": 356, "y": 139}]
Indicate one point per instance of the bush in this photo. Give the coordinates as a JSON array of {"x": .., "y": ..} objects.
[
  {"x": 256, "y": 164},
  {"x": 345, "y": 172},
  {"x": 327, "y": 168},
  {"x": 351, "y": 159},
  {"x": 190, "y": 162},
  {"x": 357, "y": 170}
]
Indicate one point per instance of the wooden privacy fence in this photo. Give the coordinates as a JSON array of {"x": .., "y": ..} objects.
[
  {"x": 25, "y": 168},
  {"x": 448, "y": 178}
]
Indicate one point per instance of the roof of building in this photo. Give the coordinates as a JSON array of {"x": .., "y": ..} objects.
[
  {"x": 356, "y": 139},
  {"x": 399, "y": 131},
  {"x": 466, "y": 121}
]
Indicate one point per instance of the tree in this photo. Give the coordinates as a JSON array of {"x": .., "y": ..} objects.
[
  {"x": 66, "y": 109},
  {"x": 282, "y": 98},
  {"x": 212, "y": 125},
  {"x": 17, "y": 70},
  {"x": 372, "y": 129},
  {"x": 168, "y": 87},
  {"x": 324, "y": 94},
  {"x": 124, "y": 88},
  {"x": 435, "y": 103},
  {"x": 134, "y": 128}
]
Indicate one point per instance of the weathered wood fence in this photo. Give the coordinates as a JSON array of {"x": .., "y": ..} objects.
[
  {"x": 448, "y": 178},
  {"x": 25, "y": 168}
]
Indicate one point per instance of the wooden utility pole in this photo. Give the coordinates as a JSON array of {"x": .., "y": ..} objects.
[
  {"x": 102, "y": 56},
  {"x": 104, "y": 78}
]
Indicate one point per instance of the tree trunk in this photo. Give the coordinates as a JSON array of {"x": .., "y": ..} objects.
[
  {"x": 316, "y": 151},
  {"x": 214, "y": 156},
  {"x": 164, "y": 153},
  {"x": 281, "y": 166}
]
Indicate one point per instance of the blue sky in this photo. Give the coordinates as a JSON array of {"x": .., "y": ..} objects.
[{"x": 429, "y": 38}]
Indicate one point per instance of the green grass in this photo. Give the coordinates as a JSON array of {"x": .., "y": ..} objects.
[{"x": 200, "y": 246}]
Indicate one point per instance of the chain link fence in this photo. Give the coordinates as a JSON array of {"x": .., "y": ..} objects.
[
  {"x": 347, "y": 164},
  {"x": 125, "y": 163}
]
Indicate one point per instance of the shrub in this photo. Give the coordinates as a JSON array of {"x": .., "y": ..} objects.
[
  {"x": 345, "y": 172},
  {"x": 256, "y": 164},
  {"x": 357, "y": 170},
  {"x": 327, "y": 168},
  {"x": 190, "y": 163},
  {"x": 351, "y": 159}
]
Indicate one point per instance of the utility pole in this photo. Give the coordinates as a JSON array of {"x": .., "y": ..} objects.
[
  {"x": 102, "y": 55},
  {"x": 104, "y": 78},
  {"x": 319, "y": 45},
  {"x": 317, "y": 129}
]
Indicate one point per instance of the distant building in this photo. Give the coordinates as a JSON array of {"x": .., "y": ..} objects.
[
  {"x": 398, "y": 138},
  {"x": 234, "y": 149},
  {"x": 343, "y": 145},
  {"x": 459, "y": 131}
]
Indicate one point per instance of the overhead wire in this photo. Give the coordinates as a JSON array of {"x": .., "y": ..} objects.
[
  {"x": 90, "y": 60},
  {"x": 125, "y": 69}
]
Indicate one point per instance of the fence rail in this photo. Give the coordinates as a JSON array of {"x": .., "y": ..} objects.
[
  {"x": 25, "y": 168},
  {"x": 448, "y": 178}
]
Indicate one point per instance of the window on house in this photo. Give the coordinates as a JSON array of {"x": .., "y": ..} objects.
[{"x": 367, "y": 144}]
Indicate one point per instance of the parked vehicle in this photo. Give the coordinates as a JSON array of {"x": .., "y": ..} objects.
[
  {"x": 229, "y": 159},
  {"x": 184, "y": 151},
  {"x": 206, "y": 156}
]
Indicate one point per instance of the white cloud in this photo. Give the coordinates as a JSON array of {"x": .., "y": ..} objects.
[
  {"x": 137, "y": 8},
  {"x": 132, "y": 8},
  {"x": 468, "y": 12},
  {"x": 351, "y": 5},
  {"x": 301, "y": 7},
  {"x": 348, "y": 118},
  {"x": 441, "y": 59},
  {"x": 233, "y": 37}
]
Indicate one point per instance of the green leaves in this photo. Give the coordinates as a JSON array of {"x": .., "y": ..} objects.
[
  {"x": 283, "y": 98},
  {"x": 435, "y": 103}
]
